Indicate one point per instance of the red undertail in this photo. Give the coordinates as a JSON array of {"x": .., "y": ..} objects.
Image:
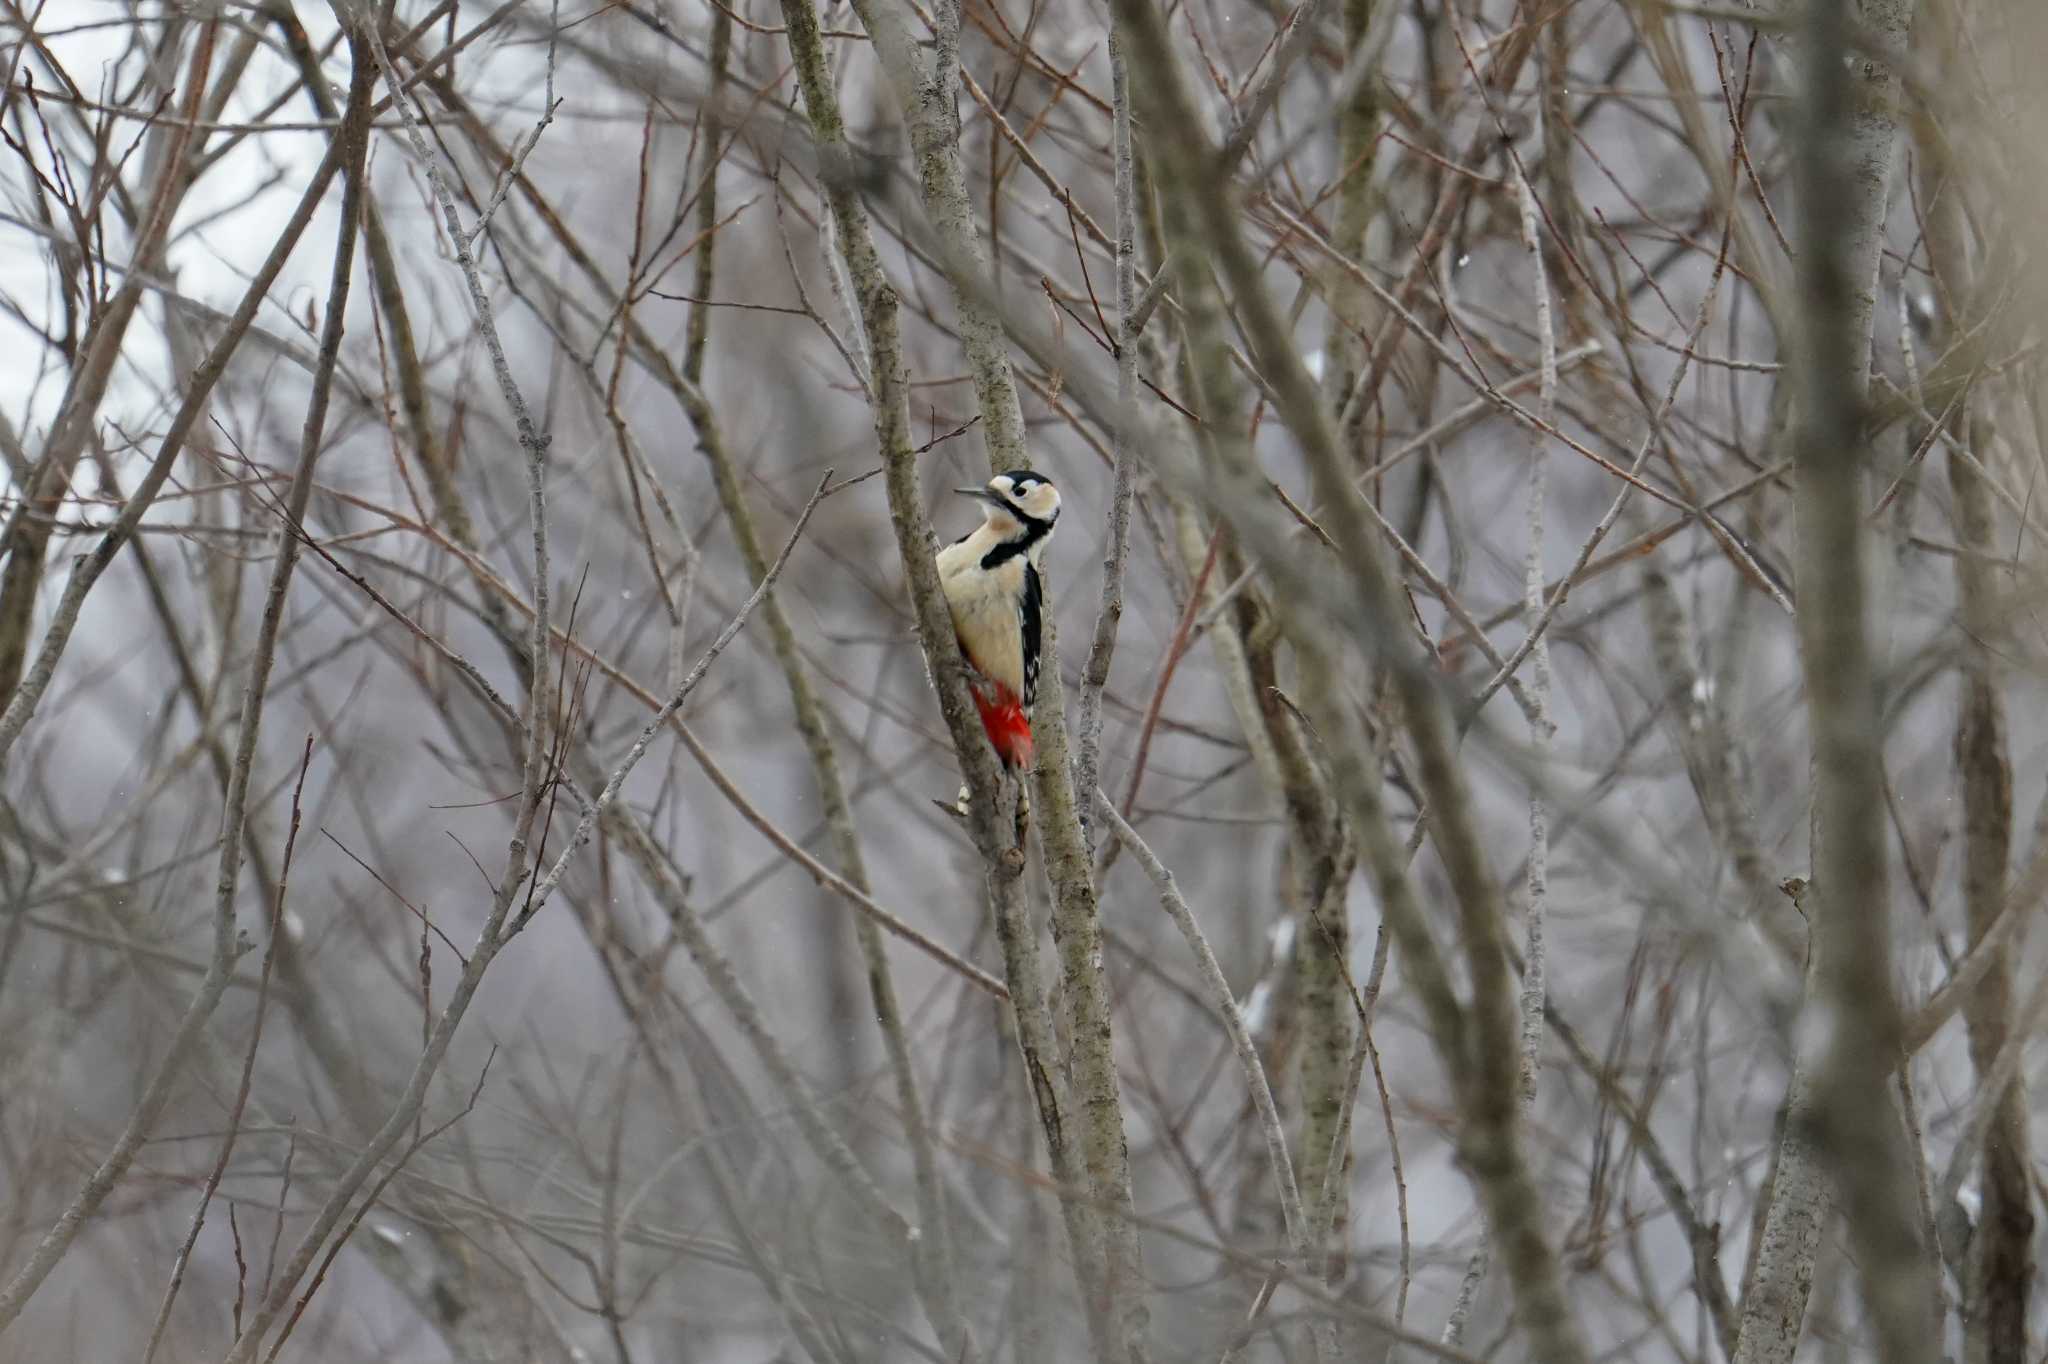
[{"x": 1007, "y": 723}]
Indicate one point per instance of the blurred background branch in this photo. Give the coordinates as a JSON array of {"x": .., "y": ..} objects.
[{"x": 1498, "y": 447}]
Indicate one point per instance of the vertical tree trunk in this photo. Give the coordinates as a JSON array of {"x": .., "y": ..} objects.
[
  {"x": 1842, "y": 164},
  {"x": 2000, "y": 1269}
]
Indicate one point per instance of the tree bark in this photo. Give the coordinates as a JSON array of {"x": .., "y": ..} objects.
[{"x": 1842, "y": 164}]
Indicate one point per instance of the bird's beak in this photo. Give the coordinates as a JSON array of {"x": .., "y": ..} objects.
[{"x": 980, "y": 495}]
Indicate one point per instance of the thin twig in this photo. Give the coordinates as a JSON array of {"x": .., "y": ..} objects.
[
  {"x": 242, "y": 1086},
  {"x": 348, "y": 151},
  {"x": 587, "y": 823},
  {"x": 1176, "y": 906},
  {"x": 1109, "y": 613}
]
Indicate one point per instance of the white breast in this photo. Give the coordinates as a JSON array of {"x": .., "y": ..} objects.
[{"x": 985, "y": 605}]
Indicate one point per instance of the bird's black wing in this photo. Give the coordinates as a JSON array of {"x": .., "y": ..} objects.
[{"x": 1028, "y": 609}]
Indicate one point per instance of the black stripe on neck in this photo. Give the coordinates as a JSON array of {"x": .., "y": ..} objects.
[{"x": 1034, "y": 531}]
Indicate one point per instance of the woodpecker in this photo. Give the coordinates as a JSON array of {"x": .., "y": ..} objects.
[{"x": 992, "y": 583}]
